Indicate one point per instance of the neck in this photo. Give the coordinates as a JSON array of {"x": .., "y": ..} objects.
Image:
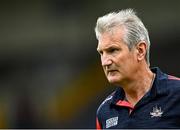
[{"x": 139, "y": 86}]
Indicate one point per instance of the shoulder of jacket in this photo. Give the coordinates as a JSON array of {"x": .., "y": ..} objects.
[{"x": 106, "y": 102}]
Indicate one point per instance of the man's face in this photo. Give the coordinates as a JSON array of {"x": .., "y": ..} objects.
[{"x": 119, "y": 63}]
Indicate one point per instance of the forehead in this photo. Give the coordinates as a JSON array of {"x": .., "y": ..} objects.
[{"x": 115, "y": 36}]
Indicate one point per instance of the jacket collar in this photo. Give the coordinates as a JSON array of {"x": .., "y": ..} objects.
[{"x": 156, "y": 89}]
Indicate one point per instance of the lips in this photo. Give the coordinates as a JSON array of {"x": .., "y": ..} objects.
[{"x": 111, "y": 71}]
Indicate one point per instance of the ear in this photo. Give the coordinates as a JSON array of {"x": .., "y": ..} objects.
[{"x": 141, "y": 48}]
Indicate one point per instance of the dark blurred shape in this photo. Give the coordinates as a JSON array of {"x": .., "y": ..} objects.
[{"x": 25, "y": 117}]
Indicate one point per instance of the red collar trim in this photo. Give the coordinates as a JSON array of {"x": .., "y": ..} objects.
[
  {"x": 124, "y": 104},
  {"x": 173, "y": 77}
]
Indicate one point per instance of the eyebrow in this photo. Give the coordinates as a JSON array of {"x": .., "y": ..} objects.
[{"x": 110, "y": 46}]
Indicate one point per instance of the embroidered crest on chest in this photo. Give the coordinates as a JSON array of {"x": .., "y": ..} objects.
[
  {"x": 157, "y": 112},
  {"x": 111, "y": 122}
]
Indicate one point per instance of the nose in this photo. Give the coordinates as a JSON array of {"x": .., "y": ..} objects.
[{"x": 106, "y": 60}]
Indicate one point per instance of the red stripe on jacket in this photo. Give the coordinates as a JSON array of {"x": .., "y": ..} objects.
[
  {"x": 173, "y": 77},
  {"x": 98, "y": 126}
]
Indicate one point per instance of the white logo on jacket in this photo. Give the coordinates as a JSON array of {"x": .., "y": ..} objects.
[
  {"x": 111, "y": 122},
  {"x": 156, "y": 112}
]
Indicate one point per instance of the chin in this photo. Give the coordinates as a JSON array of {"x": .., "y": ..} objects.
[{"x": 113, "y": 81}]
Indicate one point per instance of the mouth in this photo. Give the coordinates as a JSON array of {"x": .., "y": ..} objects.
[{"x": 111, "y": 71}]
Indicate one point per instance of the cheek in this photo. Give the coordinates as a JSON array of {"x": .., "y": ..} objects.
[
  {"x": 132, "y": 64},
  {"x": 126, "y": 61},
  {"x": 120, "y": 61},
  {"x": 133, "y": 60}
]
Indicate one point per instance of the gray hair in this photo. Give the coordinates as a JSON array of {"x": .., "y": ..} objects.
[{"x": 135, "y": 29}]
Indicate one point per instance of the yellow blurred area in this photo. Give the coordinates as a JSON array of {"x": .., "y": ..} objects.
[{"x": 3, "y": 119}]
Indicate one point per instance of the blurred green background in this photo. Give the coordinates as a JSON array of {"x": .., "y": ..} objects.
[{"x": 50, "y": 72}]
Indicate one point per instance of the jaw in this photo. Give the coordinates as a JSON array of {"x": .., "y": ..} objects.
[{"x": 114, "y": 79}]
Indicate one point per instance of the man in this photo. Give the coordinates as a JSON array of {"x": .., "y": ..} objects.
[{"x": 145, "y": 98}]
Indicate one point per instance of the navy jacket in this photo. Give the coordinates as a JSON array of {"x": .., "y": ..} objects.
[{"x": 159, "y": 107}]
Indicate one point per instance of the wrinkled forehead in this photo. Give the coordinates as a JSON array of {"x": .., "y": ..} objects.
[{"x": 111, "y": 37}]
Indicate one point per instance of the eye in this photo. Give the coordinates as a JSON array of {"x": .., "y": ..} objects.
[{"x": 112, "y": 50}]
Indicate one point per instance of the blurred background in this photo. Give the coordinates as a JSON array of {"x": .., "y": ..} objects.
[{"x": 50, "y": 72}]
